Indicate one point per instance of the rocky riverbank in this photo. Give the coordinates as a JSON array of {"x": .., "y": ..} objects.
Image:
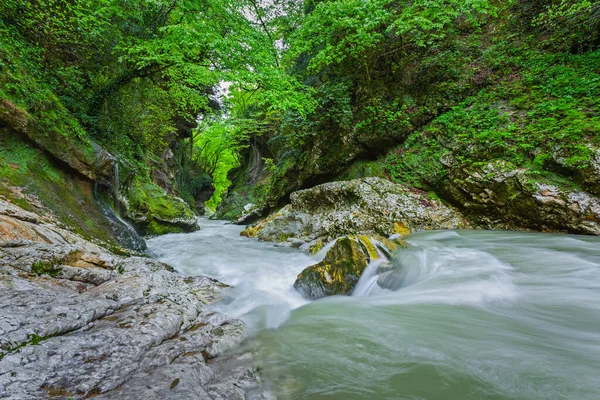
[{"x": 77, "y": 321}]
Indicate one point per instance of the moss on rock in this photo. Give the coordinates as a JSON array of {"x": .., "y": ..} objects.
[
  {"x": 37, "y": 182},
  {"x": 156, "y": 211},
  {"x": 343, "y": 265},
  {"x": 338, "y": 273},
  {"x": 57, "y": 138}
]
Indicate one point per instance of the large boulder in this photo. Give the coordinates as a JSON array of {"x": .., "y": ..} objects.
[
  {"x": 343, "y": 265},
  {"x": 368, "y": 205}
]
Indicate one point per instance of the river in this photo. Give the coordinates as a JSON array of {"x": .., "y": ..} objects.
[{"x": 478, "y": 315}]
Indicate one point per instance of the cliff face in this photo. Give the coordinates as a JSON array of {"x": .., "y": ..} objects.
[
  {"x": 39, "y": 183},
  {"x": 82, "y": 156},
  {"x": 86, "y": 187},
  {"x": 79, "y": 183}
]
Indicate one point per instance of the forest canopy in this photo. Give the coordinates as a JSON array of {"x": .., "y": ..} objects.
[{"x": 138, "y": 76}]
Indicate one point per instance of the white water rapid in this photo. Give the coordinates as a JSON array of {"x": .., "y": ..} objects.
[
  {"x": 261, "y": 273},
  {"x": 465, "y": 315}
]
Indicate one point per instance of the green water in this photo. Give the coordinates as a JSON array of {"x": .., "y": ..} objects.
[
  {"x": 480, "y": 315},
  {"x": 474, "y": 315}
]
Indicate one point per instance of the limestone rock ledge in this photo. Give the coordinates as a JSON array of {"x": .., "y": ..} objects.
[{"x": 77, "y": 321}]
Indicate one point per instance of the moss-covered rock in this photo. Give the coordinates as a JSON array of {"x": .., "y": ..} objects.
[
  {"x": 156, "y": 211},
  {"x": 79, "y": 153},
  {"x": 500, "y": 195},
  {"x": 343, "y": 265}
]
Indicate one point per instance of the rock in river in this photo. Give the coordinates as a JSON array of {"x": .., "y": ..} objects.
[
  {"x": 343, "y": 265},
  {"x": 368, "y": 205}
]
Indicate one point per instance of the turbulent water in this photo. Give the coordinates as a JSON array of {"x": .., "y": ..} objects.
[
  {"x": 476, "y": 315},
  {"x": 261, "y": 273}
]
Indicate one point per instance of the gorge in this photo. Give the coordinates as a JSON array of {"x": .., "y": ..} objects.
[{"x": 317, "y": 199}]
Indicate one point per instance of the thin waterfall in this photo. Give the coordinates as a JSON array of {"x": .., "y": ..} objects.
[
  {"x": 256, "y": 163},
  {"x": 367, "y": 284},
  {"x": 117, "y": 184},
  {"x": 105, "y": 190}
]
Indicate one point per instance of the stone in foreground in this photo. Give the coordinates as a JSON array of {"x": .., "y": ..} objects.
[{"x": 77, "y": 321}]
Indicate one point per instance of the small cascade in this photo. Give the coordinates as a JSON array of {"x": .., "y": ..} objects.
[
  {"x": 132, "y": 237},
  {"x": 103, "y": 162},
  {"x": 104, "y": 192},
  {"x": 125, "y": 233},
  {"x": 116, "y": 186},
  {"x": 367, "y": 284},
  {"x": 260, "y": 273},
  {"x": 256, "y": 164}
]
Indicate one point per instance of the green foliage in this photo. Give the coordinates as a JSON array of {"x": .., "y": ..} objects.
[
  {"x": 45, "y": 268},
  {"x": 548, "y": 109},
  {"x": 126, "y": 69},
  {"x": 571, "y": 22},
  {"x": 22, "y": 83},
  {"x": 417, "y": 162},
  {"x": 356, "y": 31},
  {"x": 339, "y": 30},
  {"x": 217, "y": 144},
  {"x": 313, "y": 86},
  {"x": 426, "y": 22},
  {"x": 381, "y": 69},
  {"x": 134, "y": 76},
  {"x": 547, "y": 113},
  {"x": 377, "y": 70},
  {"x": 139, "y": 124}
]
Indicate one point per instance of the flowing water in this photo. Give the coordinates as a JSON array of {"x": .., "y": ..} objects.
[{"x": 474, "y": 315}]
